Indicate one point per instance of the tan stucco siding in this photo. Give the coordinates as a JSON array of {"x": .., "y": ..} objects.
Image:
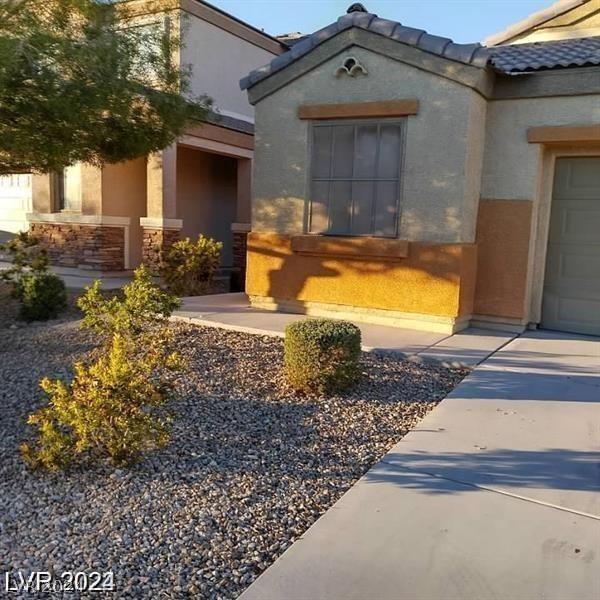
[
  {"x": 511, "y": 163},
  {"x": 124, "y": 195},
  {"x": 442, "y": 163},
  {"x": 428, "y": 281},
  {"x": 503, "y": 238},
  {"x": 581, "y": 21}
]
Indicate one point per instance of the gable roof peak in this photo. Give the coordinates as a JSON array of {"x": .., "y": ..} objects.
[{"x": 358, "y": 17}]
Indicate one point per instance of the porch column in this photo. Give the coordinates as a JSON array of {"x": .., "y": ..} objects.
[
  {"x": 160, "y": 226},
  {"x": 241, "y": 226}
]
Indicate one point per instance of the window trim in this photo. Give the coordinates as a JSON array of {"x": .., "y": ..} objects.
[{"x": 311, "y": 124}]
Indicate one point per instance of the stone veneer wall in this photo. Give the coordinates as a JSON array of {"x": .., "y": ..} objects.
[
  {"x": 154, "y": 243},
  {"x": 240, "y": 247},
  {"x": 93, "y": 247}
]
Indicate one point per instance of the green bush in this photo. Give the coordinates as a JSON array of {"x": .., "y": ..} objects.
[
  {"x": 321, "y": 355},
  {"x": 43, "y": 296},
  {"x": 188, "y": 267},
  {"x": 142, "y": 309},
  {"x": 115, "y": 405}
]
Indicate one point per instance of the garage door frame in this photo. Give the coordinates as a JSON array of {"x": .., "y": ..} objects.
[{"x": 541, "y": 219}]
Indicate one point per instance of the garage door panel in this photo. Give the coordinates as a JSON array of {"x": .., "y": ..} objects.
[
  {"x": 572, "y": 280},
  {"x": 576, "y": 177},
  {"x": 576, "y": 221},
  {"x": 577, "y": 266}
]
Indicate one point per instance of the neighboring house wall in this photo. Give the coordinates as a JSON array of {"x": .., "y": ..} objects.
[
  {"x": 133, "y": 211},
  {"x": 213, "y": 52},
  {"x": 581, "y": 21}
]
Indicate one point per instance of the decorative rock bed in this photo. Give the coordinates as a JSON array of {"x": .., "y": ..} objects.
[{"x": 250, "y": 468}]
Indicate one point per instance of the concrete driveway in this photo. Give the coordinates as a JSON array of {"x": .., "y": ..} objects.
[{"x": 495, "y": 495}]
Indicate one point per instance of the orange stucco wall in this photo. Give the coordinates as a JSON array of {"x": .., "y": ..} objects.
[
  {"x": 434, "y": 279},
  {"x": 503, "y": 232}
]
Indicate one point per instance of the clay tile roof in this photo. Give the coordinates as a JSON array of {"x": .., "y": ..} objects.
[
  {"x": 471, "y": 54},
  {"x": 515, "y": 58},
  {"x": 521, "y": 58}
]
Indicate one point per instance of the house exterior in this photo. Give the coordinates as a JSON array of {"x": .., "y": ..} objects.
[
  {"x": 404, "y": 179},
  {"x": 109, "y": 219}
]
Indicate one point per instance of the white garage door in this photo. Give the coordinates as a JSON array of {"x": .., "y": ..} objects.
[
  {"x": 572, "y": 280},
  {"x": 15, "y": 202}
]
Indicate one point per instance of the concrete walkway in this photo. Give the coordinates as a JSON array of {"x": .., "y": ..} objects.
[
  {"x": 77, "y": 279},
  {"x": 495, "y": 495},
  {"x": 233, "y": 311}
]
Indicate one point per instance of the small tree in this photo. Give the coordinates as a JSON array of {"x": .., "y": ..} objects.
[
  {"x": 85, "y": 80},
  {"x": 115, "y": 404}
]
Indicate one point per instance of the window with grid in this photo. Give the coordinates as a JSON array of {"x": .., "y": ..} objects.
[{"x": 355, "y": 177}]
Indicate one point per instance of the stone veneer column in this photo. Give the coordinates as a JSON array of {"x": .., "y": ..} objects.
[
  {"x": 160, "y": 227},
  {"x": 156, "y": 240}
]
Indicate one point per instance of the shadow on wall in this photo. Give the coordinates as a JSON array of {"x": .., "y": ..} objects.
[{"x": 427, "y": 281}]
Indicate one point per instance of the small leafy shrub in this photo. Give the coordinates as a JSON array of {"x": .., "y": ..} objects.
[
  {"x": 43, "y": 296},
  {"x": 321, "y": 355},
  {"x": 188, "y": 267},
  {"x": 115, "y": 406},
  {"x": 143, "y": 309}
]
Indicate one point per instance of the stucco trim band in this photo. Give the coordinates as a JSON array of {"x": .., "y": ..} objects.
[
  {"x": 78, "y": 218},
  {"x": 157, "y": 223},
  {"x": 564, "y": 134},
  {"x": 241, "y": 227},
  {"x": 356, "y": 247},
  {"x": 388, "y": 108},
  {"x": 390, "y": 318}
]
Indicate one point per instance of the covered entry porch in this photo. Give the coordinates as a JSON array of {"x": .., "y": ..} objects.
[{"x": 119, "y": 215}]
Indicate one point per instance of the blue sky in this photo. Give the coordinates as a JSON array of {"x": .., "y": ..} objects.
[{"x": 461, "y": 20}]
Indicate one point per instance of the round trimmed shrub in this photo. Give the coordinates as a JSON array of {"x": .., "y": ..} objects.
[
  {"x": 43, "y": 296},
  {"x": 321, "y": 355}
]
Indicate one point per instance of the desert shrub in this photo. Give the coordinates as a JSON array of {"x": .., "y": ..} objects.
[
  {"x": 115, "y": 406},
  {"x": 43, "y": 296},
  {"x": 143, "y": 308},
  {"x": 188, "y": 267},
  {"x": 321, "y": 355}
]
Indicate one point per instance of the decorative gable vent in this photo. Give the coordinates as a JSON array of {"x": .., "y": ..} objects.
[{"x": 351, "y": 67}]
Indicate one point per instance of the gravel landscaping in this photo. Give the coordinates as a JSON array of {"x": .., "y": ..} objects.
[{"x": 251, "y": 465}]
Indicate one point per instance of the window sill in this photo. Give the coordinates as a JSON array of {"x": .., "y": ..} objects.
[{"x": 350, "y": 247}]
